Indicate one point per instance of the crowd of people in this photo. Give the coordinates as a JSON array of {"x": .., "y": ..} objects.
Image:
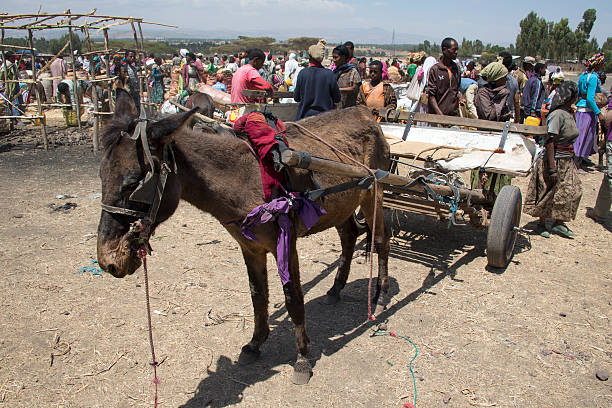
[{"x": 532, "y": 93}]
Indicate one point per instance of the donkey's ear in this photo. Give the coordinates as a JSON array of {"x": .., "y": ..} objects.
[
  {"x": 162, "y": 131},
  {"x": 125, "y": 105}
]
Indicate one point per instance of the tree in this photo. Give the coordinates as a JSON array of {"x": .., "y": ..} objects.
[
  {"x": 301, "y": 43},
  {"x": 55, "y": 45},
  {"x": 244, "y": 43},
  {"x": 583, "y": 33},
  {"x": 533, "y": 36},
  {"x": 588, "y": 19},
  {"x": 562, "y": 40},
  {"x": 606, "y": 48}
]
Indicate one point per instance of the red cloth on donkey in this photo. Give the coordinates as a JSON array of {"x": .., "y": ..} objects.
[{"x": 262, "y": 137}]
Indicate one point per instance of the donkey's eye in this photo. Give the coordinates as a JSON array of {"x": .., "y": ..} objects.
[{"x": 130, "y": 185}]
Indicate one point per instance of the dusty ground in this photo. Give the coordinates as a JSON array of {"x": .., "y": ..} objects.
[{"x": 531, "y": 336}]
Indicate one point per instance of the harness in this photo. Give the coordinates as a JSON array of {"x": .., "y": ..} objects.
[{"x": 151, "y": 188}]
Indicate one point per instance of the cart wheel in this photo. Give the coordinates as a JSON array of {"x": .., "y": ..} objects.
[
  {"x": 360, "y": 221},
  {"x": 505, "y": 219}
]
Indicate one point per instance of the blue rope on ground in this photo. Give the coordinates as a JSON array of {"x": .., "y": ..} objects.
[
  {"x": 95, "y": 270},
  {"x": 416, "y": 353}
]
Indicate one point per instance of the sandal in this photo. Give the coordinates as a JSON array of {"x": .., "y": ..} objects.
[
  {"x": 542, "y": 231},
  {"x": 563, "y": 230}
]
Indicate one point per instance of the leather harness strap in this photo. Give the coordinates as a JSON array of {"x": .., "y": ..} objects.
[{"x": 151, "y": 189}]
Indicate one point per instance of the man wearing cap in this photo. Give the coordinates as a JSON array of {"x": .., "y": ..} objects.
[{"x": 316, "y": 89}]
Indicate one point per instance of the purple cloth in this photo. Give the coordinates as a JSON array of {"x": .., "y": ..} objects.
[
  {"x": 586, "y": 122},
  {"x": 277, "y": 210}
]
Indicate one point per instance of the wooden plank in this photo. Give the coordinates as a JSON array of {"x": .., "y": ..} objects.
[
  {"x": 467, "y": 122},
  {"x": 255, "y": 93}
]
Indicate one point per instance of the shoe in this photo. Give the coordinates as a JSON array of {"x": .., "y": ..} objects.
[
  {"x": 561, "y": 229},
  {"x": 542, "y": 231}
]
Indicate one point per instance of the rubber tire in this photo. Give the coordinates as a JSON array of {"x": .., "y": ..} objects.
[{"x": 501, "y": 237}]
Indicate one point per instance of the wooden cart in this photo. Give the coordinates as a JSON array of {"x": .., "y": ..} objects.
[{"x": 426, "y": 166}]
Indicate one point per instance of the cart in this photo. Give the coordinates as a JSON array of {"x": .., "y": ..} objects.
[{"x": 427, "y": 163}]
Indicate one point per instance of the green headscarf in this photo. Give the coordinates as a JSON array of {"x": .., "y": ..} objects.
[{"x": 494, "y": 71}]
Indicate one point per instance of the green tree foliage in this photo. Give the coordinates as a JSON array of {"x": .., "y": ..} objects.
[
  {"x": 55, "y": 45},
  {"x": 301, "y": 43},
  {"x": 532, "y": 38},
  {"x": 588, "y": 20},
  {"x": 557, "y": 41},
  {"x": 606, "y": 48},
  {"x": 244, "y": 43}
]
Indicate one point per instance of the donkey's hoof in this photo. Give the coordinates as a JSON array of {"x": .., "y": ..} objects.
[
  {"x": 302, "y": 371},
  {"x": 331, "y": 299},
  {"x": 248, "y": 355}
]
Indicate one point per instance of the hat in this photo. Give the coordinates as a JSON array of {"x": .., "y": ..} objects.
[
  {"x": 596, "y": 59},
  {"x": 494, "y": 71},
  {"x": 317, "y": 51},
  {"x": 530, "y": 60},
  {"x": 199, "y": 54}
]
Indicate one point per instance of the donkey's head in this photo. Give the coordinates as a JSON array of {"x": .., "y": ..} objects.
[{"x": 130, "y": 184}]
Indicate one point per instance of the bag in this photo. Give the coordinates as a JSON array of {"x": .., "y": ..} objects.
[{"x": 414, "y": 90}]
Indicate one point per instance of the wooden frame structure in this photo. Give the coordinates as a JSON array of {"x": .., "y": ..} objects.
[{"x": 70, "y": 21}]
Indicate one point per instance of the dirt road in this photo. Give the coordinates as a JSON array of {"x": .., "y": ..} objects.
[{"x": 531, "y": 336}]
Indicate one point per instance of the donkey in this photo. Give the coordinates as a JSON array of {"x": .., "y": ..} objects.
[{"x": 217, "y": 173}]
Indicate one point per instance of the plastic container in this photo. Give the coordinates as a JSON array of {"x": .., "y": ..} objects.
[
  {"x": 532, "y": 120},
  {"x": 70, "y": 116}
]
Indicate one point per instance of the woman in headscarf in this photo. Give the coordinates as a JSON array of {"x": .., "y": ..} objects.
[
  {"x": 491, "y": 99},
  {"x": 421, "y": 76},
  {"x": 554, "y": 188},
  {"x": 347, "y": 77},
  {"x": 588, "y": 111}
]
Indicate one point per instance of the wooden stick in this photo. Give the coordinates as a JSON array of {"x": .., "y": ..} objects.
[
  {"x": 254, "y": 93},
  {"x": 5, "y": 82},
  {"x": 291, "y": 158},
  {"x": 456, "y": 121},
  {"x": 108, "y": 73},
  {"x": 197, "y": 115},
  {"x": 43, "y": 126},
  {"x": 74, "y": 78},
  {"x": 15, "y": 46},
  {"x": 48, "y": 64}
]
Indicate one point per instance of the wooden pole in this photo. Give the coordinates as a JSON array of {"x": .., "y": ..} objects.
[
  {"x": 139, "y": 71},
  {"x": 43, "y": 126},
  {"x": 94, "y": 96},
  {"x": 291, "y": 158},
  {"x": 74, "y": 76},
  {"x": 5, "y": 80},
  {"x": 108, "y": 73}
]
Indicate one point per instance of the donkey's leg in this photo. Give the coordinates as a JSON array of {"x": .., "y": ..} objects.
[
  {"x": 348, "y": 236},
  {"x": 294, "y": 300},
  {"x": 255, "y": 261},
  {"x": 381, "y": 244}
]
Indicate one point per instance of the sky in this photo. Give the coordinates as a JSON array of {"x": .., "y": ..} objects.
[{"x": 358, "y": 20}]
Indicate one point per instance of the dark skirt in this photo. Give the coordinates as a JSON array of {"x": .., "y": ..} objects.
[{"x": 558, "y": 201}]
